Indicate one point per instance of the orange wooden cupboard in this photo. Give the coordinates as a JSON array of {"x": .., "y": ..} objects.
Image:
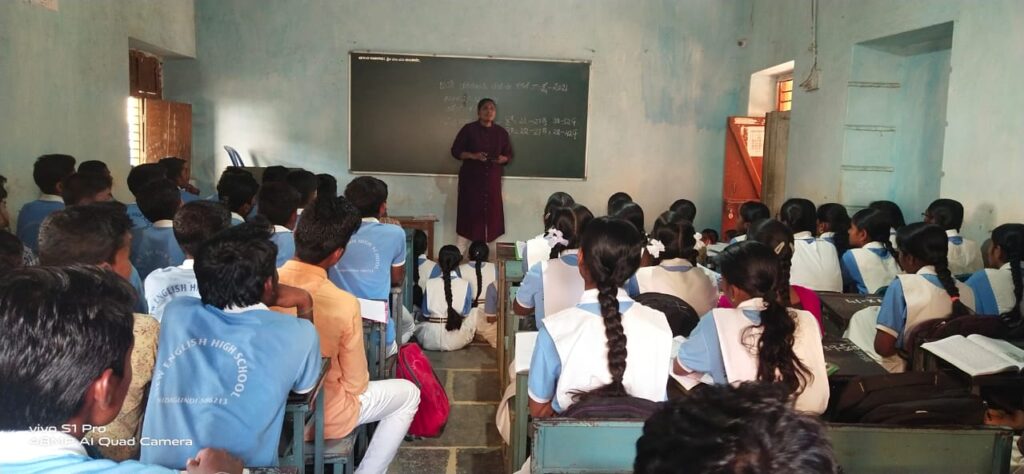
[{"x": 743, "y": 176}]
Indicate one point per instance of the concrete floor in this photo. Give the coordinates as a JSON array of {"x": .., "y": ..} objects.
[{"x": 470, "y": 442}]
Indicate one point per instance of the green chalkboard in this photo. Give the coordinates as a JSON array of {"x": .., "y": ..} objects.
[{"x": 405, "y": 111}]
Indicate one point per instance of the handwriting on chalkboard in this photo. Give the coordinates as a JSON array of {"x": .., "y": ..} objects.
[
  {"x": 540, "y": 87},
  {"x": 845, "y": 346}
]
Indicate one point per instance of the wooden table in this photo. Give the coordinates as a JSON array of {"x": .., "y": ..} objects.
[
  {"x": 838, "y": 308},
  {"x": 851, "y": 360},
  {"x": 299, "y": 409},
  {"x": 424, "y": 223}
]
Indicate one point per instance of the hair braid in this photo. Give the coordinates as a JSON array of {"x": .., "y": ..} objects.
[
  {"x": 607, "y": 296},
  {"x": 1010, "y": 238},
  {"x": 479, "y": 283},
  {"x": 782, "y": 283},
  {"x": 1018, "y": 286},
  {"x": 454, "y": 322},
  {"x": 946, "y": 278}
]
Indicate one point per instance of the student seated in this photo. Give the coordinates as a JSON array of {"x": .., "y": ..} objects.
[
  {"x": 815, "y": 262},
  {"x": 896, "y": 219},
  {"x": 927, "y": 291},
  {"x": 750, "y": 212},
  {"x": 49, "y": 172},
  {"x": 86, "y": 188},
  {"x": 761, "y": 340},
  {"x": 12, "y": 253},
  {"x": 28, "y": 257},
  {"x": 675, "y": 272},
  {"x": 998, "y": 290},
  {"x": 871, "y": 264},
  {"x": 275, "y": 174},
  {"x": 709, "y": 236},
  {"x": 555, "y": 284},
  {"x": 237, "y": 190},
  {"x": 447, "y": 301},
  {"x": 326, "y": 185},
  {"x": 537, "y": 249},
  {"x": 478, "y": 272},
  {"x": 95, "y": 167},
  {"x": 79, "y": 347},
  {"x": 616, "y": 201},
  {"x": 138, "y": 178},
  {"x": 227, "y": 363},
  {"x": 749, "y": 428},
  {"x": 685, "y": 208},
  {"x": 304, "y": 183},
  {"x": 194, "y": 224},
  {"x": 607, "y": 345},
  {"x": 179, "y": 173},
  {"x": 424, "y": 269},
  {"x": 279, "y": 203},
  {"x": 964, "y": 255},
  {"x": 99, "y": 234},
  {"x": 834, "y": 226},
  {"x": 374, "y": 260},
  {"x": 634, "y": 214},
  {"x": 154, "y": 247},
  {"x": 321, "y": 238}
]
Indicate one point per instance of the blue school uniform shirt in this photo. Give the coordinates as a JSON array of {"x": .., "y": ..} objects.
[
  {"x": 986, "y": 303},
  {"x": 156, "y": 247},
  {"x": 135, "y": 214},
  {"x": 285, "y": 241},
  {"x": 31, "y": 452},
  {"x": 365, "y": 268},
  {"x": 141, "y": 304},
  {"x": 222, "y": 378},
  {"x": 32, "y": 215},
  {"x": 531, "y": 289},
  {"x": 166, "y": 284},
  {"x": 702, "y": 351},
  {"x": 236, "y": 219},
  {"x": 187, "y": 197},
  {"x": 851, "y": 271},
  {"x": 893, "y": 312}
]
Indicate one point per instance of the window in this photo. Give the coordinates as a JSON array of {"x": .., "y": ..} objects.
[
  {"x": 784, "y": 94},
  {"x": 136, "y": 154}
]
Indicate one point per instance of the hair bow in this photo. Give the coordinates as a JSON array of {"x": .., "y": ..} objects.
[
  {"x": 782, "y": 246},
  {"x": 655, "y": 247},
  {"x": 699, "y": 242},
  {"x": 555, "y": 237}
]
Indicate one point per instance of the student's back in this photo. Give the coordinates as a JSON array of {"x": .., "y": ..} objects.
[
  {"x": 871, "y": 264},
  {"x": 964, "y": 255},
  {"x": 478, "y": 272},
  {"x": 815, "y": 262},
  {"x": 447, "y": 301},
  {"x": 998, "y": 290},
  {"x": 48, "y": 172},
  {"x": 553, "y": 285},
  {"x": 278, "y": 202},
  {"x": 675, "y": 272},
  {"x": 155, "y": 246}
]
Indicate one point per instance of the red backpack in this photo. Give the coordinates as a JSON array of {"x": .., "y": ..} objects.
[{"x": 433, "y": 412}]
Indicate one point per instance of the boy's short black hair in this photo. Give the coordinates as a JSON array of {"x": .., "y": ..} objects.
[
  {"x": 51, "y": 170},
  {"x": 327, "y": 185},
  {"x": 174, "y": 167},
  {"x": 233, "y": 265},
  {"x": 81, "y": 186},
  {"x": 367, "y": 194},
  {"x": 141, "y": 175},
  {"x": 198, "y": 221},
  {"x": 62, "y": 328},
  {"x": 305, "y": 183},
  {"x": 720, "y": 428},
  {"x": 90, "y": 234},
  {"x": 12, "y": 253},
  {"x": 275, "y": 173},
  {"x": 325, "y": 227},
  {"x": 278, "y": 201},
  {"x": 94, "y": 167},
  {"x": 159, "y": 200},
  {"x": 236, "y": 188}
]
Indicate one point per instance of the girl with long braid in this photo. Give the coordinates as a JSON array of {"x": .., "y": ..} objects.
[
  {"x": 871, "y": 263},
  {"x": 998, "y": 290},
  {"x": 482, "y": 275},
  {"x": 536, "y": 249},
  {"x": 446, "y": 305},
  {"x": 607, "y": 345},
  {"x": 423, "y": 270},
  {"x": 675, "y": 272}
]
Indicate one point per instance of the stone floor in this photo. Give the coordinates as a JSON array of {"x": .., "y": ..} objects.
[{"x": 470, "y": 442}]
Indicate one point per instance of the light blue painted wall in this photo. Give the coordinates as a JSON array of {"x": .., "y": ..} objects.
[
  {"x": 982, "y": 149},
  {"x": 272, "y": 81},
  {"x": 64, "y": 80}
]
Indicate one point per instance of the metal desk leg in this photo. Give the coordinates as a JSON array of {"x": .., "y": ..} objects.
[
  {"x": 298, "y": 440},
  {"x": 520, "y": 422},
  {"x": 502, "y": 314},
  {"x": 318, "y": 435}
]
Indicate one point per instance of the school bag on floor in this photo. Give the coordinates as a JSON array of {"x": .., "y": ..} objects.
[
  {"x": 909, "y": 399},
  {"x": 434, "y": 408}
]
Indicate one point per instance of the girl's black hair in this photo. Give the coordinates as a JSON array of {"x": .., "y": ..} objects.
[
  {"x": 419, "y": 247},
  {"x": 478, "y": 254},
  {"x": 686, "y": 208},
  {"x": 617, "y": 200},
  {"x": 485, "y": 100},
  {"x": 799, "y": 214},
  {"x": 571, "y": 221},
  {"x": 838, "y": 221},
  {"x": 632, "y": 213},
  {"x": 676, "y": 233},
  {"x": 946, "y": 213},
  {"x": 929, "y": 244},
  {"x": 448, "y": 259},
  {"x": 556, "y": 200},
  {"x": 611, "y": 255},
  {"x": 754, "y": 268},
  {"x": 681, "y": 317},
  {"x": 876, "y": 224},
  {"x": 779, "y": 238},
  {"x": 753, "y": 211},
  {"x": 1010, "y": 238},
  {"x": 711, "y": 234},
  {"x": 893, "y": 211}
]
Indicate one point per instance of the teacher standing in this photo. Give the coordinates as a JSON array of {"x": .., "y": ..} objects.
[{"x": 484, "y": 148}]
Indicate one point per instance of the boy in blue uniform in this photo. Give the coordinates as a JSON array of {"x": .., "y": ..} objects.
[
  {"x": 138, "y": 178},
  {"x": 69, "y": 329},
  {"x": 374, "y": 260},
  {"x": 278, "y": 203},
  {"x": 48, "y": 173},
  {"x": 306, "y": 184},
  {"x": 155, "y": 247},
  {"x": 237, "y": 190}
]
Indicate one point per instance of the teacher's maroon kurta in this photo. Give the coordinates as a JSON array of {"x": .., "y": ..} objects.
[{"x": 481, "y": 216}]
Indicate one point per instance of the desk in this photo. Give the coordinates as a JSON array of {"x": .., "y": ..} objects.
[
  {"x": 851, "y": 360},
  {"x": 520, "y": 414},
  {"x": 505, "y": 253},
  {"x": 927, "y": 361},
  {"x": 424, "y": 223},
  {"x": 838, "y": 308},
  {"x": 299, "y": 408}
]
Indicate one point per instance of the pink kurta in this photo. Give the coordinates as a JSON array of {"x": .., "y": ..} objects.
[{"x": 481, "y": 216}]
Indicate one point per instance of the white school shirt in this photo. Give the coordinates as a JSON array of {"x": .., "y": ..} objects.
[
  {"x": 432, "y": 334},
  {"x": 562, "y": 283},
  {"x": 54, "y": 451},
  {"x": 536, "y": 250},
  {"x": 427, "y": 269},
  {"x": 829, "y": 237},
  {"x": 915, "y": 299},
  {"x": 993, "y": 290},
  {"x": 488, "y": 275},
  {"x": 165, "y": 284},
  {"x": 571, "y": 354},
  {"x": 237, "y": 219},
  {"x": 680, "y": 278},
  {"x": 871, "y": 267},
  {"x": 964, "y": 255},
  {"x": 815, "y": 264}
]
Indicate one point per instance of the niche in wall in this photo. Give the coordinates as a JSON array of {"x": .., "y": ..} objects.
[{"x": 896, "y": 119}]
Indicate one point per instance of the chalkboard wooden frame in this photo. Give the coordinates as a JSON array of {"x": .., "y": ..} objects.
[{"x": 586, "y": 144}]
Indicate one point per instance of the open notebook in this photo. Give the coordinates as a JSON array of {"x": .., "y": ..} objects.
[{"x": 977, "y": 354}]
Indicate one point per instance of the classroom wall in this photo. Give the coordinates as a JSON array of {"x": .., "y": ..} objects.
[
  {"x": 981, "y": 148},
  {"x": 272, "y": 82},
  {"x": 64, "y": 80}
]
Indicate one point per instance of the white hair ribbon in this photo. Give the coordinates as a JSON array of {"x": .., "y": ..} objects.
[
  {"x": 655, "y": 247},
  {"x": 699, "y": 242},
  {"x": 555, "y": 237}
]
